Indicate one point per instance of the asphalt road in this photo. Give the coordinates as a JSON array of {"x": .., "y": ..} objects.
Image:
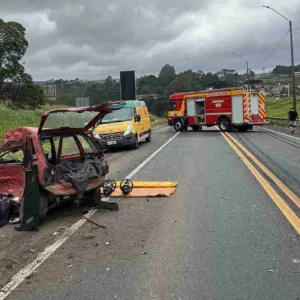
[{"x": 220, "y": 236}]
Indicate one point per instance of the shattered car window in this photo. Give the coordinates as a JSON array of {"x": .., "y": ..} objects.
[
  {"x": 69, "y": 146},
  {"x": 68, "y": 119},
  {"x": 12, "y": 156},
  {"x": 86, "y": 144}
]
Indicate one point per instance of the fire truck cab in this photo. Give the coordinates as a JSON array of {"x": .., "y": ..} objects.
[{"x": 228, "y": 108}]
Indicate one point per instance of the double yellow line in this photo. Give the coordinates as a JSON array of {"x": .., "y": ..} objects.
[{"x": 242, "y": 152}]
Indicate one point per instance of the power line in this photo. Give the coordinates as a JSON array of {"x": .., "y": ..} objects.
[{"x": 272, "y": 50}]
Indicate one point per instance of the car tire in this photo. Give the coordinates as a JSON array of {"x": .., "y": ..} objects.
[
  {"x": 224, "y": 124},
  {"x": 135, "y": 143},
  {"x": 178, "y": 126},
  {"x": 148, "y": 139}
]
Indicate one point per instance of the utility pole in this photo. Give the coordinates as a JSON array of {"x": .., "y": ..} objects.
[
  {"x": 292, "y": 56},
  {"x": 246, "y": 64}
]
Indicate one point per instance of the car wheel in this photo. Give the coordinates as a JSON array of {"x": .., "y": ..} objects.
[
  {"x": 148, "y": 139},
  {"x": 224, "y": 124},
  {"x": 135, "y": 142},
  {"x": 178, "y": 126}
]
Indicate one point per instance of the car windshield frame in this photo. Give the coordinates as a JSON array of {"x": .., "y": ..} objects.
[{"x": 116, "y": 113}]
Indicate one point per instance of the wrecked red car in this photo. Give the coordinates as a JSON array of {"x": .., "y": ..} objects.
[{"x": 68, "y": 161}]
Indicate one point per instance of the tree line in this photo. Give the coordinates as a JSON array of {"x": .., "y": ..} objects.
[{"x": 17, "y": 87}]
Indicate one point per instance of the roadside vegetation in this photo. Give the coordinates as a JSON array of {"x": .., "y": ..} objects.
[
  {"x": 13, "y": 118},
  {"x": 280, "y": 107}
]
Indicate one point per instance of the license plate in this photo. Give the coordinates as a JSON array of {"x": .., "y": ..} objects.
[{"x": 111, "y": 143}]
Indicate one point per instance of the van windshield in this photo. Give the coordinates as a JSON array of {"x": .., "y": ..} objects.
[{"x": 119, "y": 115}]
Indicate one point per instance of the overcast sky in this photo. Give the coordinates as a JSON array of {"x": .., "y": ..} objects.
[{"x": 93, "y": 39}]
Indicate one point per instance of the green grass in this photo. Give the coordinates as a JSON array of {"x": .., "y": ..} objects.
[
  {"x": 11, "y": 118},
  {"x": 280, "y": 108},
  {"x": 155, "y": 121}
]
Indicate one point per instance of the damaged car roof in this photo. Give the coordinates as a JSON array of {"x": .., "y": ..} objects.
[{"x": 78, "y": 119}]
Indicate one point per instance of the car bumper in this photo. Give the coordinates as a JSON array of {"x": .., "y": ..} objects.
[
  {"x": 68, "y": 189},
  {"x": 126, "y": 140}
]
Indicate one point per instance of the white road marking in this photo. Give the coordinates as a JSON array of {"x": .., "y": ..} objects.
[
  {"x": 151, "y": 156},
  {"x": 30, "y": 268},
  {"x": 292, "y": 137},
  {"x": 17, "y": 279}
]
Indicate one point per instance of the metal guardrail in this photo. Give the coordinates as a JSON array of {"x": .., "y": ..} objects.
[{"x": 278, "y": 119}]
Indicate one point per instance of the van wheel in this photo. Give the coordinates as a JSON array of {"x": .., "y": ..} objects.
[
  {"x": 135, "y": 142},
  {"x": 178, "y": 126},
  {"x": 224, "y": 124},
  {"x": 148, "y": 139}
]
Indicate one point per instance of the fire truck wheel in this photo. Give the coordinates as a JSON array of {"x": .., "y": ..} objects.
[
  {"x": 224, "y": 124},
  {"x": 195, "y": 127},
  {"x": 178, "y": 126}
]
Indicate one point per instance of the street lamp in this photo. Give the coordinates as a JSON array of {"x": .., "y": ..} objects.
[
  {"x": 292, "y": 55},
  {"x": 245, "y": 61}
]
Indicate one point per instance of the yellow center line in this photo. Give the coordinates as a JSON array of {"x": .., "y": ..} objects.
[
  {"x": 285, "y": 209},
  {"x": 279, "y": 183}
]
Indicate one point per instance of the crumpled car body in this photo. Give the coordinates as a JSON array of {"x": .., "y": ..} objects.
[{"x": 62, "y": 139}]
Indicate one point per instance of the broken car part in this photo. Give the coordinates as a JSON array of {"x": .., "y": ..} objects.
[
  {"x": 109, "y": 187},
  {"x": 126, "y": 186}
]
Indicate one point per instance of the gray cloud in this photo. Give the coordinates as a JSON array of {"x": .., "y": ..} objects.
[{"x": 100, "y": 38}]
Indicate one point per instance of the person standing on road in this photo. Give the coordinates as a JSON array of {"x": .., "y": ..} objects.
[{"x": 292, "y": 118}]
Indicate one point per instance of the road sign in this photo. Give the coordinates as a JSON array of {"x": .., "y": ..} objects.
[
  {"x": 50, "y": 93},
  {"x": 82, "y": 101}
]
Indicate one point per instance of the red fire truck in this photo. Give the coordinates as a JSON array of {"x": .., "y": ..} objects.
[{"x": 228, "y": 108}]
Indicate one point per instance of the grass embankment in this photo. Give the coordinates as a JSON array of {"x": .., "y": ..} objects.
[
  {"x": 155, "y": 121},
  {"x": 13, "y": 118},
  {"x": 279, "y": 108}
]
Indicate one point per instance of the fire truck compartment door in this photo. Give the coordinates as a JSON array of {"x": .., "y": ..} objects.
[
  {"x": 237, "y": 109},
  {"x": 254, "y": 105},
  {"x": 191, "y": 109}
]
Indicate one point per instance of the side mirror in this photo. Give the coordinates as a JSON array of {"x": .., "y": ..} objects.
[{"x": 137, "y": 118}]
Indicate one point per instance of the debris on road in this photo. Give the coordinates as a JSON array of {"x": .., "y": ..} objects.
[
  {"x": 144, "y": 252},
  {"x": 296, "y": 261},
  {"x": 14, "y": 221},
  {"x": 224, "y": 197},
  {"x": 107, "y": 269},
  {"x": 89, "y": 236},
  {"x": 89, "y": 220}
]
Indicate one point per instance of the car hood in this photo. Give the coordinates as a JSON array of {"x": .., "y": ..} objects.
[
  {"x": 69, "y": 120},
  {"x": 112, "y": 127}
]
